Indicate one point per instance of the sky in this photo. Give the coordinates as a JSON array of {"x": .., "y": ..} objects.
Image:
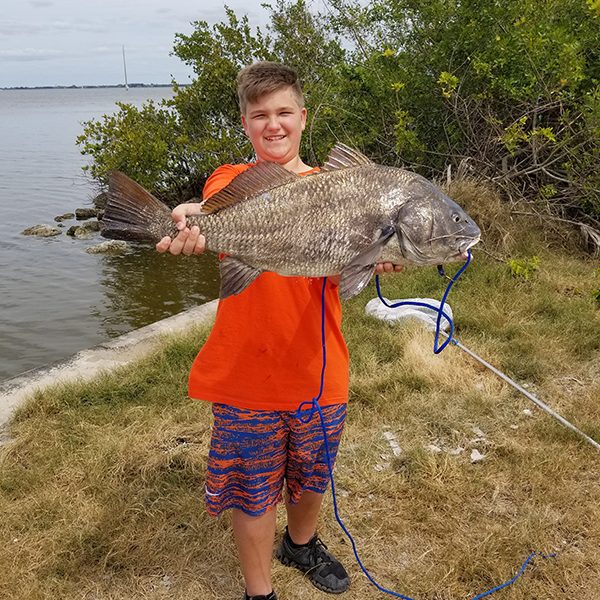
[{"x": 78, "y": 42}]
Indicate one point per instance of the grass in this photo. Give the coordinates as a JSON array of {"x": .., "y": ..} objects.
[{"x": 101, "y": 484}]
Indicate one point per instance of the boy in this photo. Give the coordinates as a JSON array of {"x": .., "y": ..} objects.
[{"x": 261, "y": 361}]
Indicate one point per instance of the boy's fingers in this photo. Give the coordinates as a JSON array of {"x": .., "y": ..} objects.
[
  {"x": 164, "y": 244},
  {"x": 387, "y": 267},
  {"x": 200, "y": 245},
  {"x": 179, "y": 242},
  {"x": 189, "y": 246},
  {"x": 179, "y": 213}
]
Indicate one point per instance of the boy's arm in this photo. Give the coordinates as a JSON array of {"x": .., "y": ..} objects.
[{"x": 189, "y": 240}]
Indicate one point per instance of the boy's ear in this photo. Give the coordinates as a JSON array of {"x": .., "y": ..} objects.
[
  {"x": 303, "y": 114},
  {"x": 244, "y": 124}
]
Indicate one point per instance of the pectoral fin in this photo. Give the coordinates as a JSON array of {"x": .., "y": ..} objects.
[
  {"x": 356, "y": 275},
  {"x": 236, "y": 276}
]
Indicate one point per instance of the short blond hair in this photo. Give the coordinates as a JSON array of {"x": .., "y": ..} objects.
[{"x": 262, "y": 78}]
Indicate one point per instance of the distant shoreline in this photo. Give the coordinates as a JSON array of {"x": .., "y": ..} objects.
[{"x": 85, "y": 87}]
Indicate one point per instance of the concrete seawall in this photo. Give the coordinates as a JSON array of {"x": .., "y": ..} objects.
[{"x": 89, "y": 363}]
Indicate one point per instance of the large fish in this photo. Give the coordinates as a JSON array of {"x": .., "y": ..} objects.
[{"x": 343, "y": 220}]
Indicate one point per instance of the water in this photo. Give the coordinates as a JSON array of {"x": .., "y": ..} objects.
[{"x": 56, "y": 299}]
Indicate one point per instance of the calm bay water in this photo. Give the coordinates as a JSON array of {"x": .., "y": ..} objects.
[{"x": 56, "y": 299}]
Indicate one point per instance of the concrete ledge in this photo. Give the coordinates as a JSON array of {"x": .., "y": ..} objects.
[{"x": 88, "y": 363}]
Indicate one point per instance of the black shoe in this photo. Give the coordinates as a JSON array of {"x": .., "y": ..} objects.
[
  {"x": 321, "y": 567},
  {"x": 271, "y": 596}
]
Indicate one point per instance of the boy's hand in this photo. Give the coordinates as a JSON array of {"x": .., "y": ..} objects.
[
  {"x": 388, "y": 267},
  {"x": 189, "y": 240}
]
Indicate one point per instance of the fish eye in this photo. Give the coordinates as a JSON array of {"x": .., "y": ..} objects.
[{"x": 456, "y": 218}]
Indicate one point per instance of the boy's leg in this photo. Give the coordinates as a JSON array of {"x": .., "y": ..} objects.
[
  {"x": 254, "y": 538},
  {"x": 307, "y": 477},
  {"x": 302, "y": 516},
  {"x": 245, "y": 473}
]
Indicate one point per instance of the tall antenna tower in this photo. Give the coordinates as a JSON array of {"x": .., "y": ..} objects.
[{"x": 125, "y": 69}]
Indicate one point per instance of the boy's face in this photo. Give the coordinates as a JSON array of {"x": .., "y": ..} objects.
[{"x": 274, "y": 124}]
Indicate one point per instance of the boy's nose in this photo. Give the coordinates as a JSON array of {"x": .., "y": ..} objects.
[{"x": 273, "y": 123}]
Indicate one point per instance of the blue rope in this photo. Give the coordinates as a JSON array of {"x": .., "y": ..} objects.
[
  {"x": 440, "y": 311},
  {"x": 306, "y": 414}
]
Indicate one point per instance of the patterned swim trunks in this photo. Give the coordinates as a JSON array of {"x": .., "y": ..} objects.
[{"x": 252, "y": 452}]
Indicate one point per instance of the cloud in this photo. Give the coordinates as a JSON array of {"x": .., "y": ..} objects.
[
  {"x": 41, "y": 3},
  {"x": 77, "y": 26},
  {"x": 29, "y": 54},
  {"x": 50, "y": 27}
]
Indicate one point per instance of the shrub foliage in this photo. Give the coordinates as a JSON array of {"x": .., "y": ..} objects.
[{"x": 509, "y": 91}]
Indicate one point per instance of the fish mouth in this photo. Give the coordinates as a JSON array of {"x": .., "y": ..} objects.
[
  {"x": 414, "y": 253},
  {"x": 465, "y": 247}
]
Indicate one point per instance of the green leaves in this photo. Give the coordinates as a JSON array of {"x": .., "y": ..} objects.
[{"x": 512, "y": 86}]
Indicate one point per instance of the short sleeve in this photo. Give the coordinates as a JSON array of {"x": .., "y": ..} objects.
[{"x": 221, "y": 178}]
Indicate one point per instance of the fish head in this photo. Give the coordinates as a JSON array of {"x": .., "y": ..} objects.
[{"x": 433, "y": 229}]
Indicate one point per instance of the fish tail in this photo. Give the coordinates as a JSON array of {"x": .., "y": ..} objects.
[{"x": 132, "y": 213}]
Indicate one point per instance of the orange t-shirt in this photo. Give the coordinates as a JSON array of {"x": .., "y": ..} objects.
[{"x": 264, "y": 351}]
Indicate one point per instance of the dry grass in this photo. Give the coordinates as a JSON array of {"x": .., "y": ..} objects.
[{"x": 101, "y": 485}]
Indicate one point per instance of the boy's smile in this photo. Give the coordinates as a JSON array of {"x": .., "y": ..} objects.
[{"x": 274, "y": 124}]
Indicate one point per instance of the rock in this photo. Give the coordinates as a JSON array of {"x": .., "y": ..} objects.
[
  {"x": 100, "y": 200},
  {"x": 478, "y": 432},
  {"x": 64, "y": 217},
  {"x": 81, "y": 214},
  {"x": 108, "y": 247},
  {"x": 91, "y": 226},
  {"x": 393, "y": 442},
  {"x": 434, "y": 449},
  {"x": 527, "y": 412},
  {"x": 456, "y": 451},
  {"x": 476, "y": 456},
  {"x": 42, "y": 231},
  {"x": 83, "y": 232}
]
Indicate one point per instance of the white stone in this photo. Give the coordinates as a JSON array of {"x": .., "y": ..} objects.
[
  {"x": 478, "y": 432},
  {"x": 393, "y": 442},
  {"x": 456, "y": 451},
  {"x": 476, "y": 456}
]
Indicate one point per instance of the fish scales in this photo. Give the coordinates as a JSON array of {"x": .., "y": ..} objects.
[
  {"x": 303, "y": 228},
  {"x": 343, "y": 220}
]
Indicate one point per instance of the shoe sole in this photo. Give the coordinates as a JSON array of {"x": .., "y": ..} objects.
[{"x": 284, "y": 560}]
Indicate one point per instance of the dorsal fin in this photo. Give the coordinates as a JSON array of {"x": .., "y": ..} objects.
[
  {"x": 343, "y": 157},
  {"x": 258, "y": 179}
]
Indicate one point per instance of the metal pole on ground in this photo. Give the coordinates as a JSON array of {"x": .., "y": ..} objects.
[{"x": 527, "y": 394}]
